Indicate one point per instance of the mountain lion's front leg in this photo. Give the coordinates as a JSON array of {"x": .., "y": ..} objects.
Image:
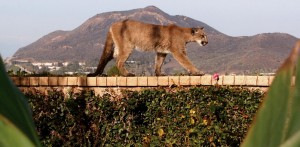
[
  {"x": 159, "y": 60},
  {"x": 186, "y": 63}
]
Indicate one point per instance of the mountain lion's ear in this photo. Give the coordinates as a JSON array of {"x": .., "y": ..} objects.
[
  {"x": 194, "y": 31},
  {"x": 202, "y": 28}
]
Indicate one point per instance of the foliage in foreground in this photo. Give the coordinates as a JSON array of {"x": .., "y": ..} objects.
[
  {"x": 15, "y": 117},
  {"x": 195, "y": 116}
]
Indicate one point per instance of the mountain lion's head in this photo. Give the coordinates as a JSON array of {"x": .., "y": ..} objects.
[{"x": 199, "y": 36}]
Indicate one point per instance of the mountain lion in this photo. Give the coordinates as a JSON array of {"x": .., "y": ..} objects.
[{"x": 126, "y": 35}]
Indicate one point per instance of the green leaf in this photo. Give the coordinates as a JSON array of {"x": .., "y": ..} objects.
[
  {"x": 277, "y": 122},
  {"x": 13, "y": 107},
  {"x": 12, "y": 136}
]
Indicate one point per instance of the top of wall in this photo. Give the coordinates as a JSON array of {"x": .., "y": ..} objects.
[{"x": 207, "y": 80}]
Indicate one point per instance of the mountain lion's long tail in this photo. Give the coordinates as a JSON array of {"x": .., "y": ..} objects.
[{"x": 107, "y": 55}]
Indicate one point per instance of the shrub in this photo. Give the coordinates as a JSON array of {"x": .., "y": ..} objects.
[{"x": 206, "y": 116}]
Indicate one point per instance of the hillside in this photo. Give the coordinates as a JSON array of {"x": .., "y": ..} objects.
[{"x": 263, "y": 52}]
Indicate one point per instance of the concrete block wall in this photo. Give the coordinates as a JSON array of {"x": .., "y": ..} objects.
[{"x": 207, "y": 80}]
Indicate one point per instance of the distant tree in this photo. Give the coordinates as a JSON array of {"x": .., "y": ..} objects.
[
  {"x": 113, "y": 71},
  {"x": 10, "y": 72},
  {"x": 73, "y": 67}
]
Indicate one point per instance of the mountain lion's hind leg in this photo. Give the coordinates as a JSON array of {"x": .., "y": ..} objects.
[
  {"x": 121, "y": 59},
  {"x": 159, "y": 60}
]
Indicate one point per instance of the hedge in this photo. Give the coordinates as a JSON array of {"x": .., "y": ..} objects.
[{"x": 197, "y": 116}]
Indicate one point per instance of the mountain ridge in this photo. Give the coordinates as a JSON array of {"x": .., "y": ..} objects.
[{"x": 223, "y": 53}]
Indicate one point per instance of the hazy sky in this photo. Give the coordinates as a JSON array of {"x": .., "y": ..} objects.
[{"x": 25, "y": 21}]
